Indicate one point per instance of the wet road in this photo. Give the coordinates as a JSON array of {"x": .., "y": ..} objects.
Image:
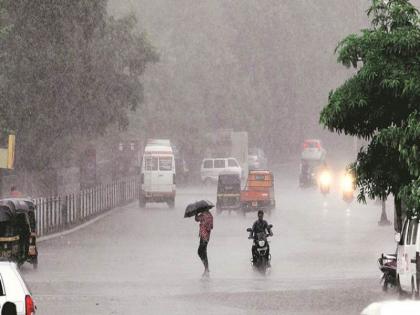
[{"x": 144, "y": 261}]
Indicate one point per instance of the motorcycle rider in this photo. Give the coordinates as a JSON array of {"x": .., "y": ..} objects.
[{"x": 260, "y": 226}]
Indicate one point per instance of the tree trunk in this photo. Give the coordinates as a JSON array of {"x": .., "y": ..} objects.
[
  {"x": 399, "y": 215},
  {"x": 384, "y": 218}
]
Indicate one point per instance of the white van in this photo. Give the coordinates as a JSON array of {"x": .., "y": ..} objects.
[
  {"x": 158, "y": 175},
  {"x": 408, "y": 260},
  {"x": 212, "y": 167}
]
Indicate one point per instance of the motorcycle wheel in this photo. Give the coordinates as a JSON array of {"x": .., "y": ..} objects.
[
  {"x": 385, "y": 285},
  {"x": 263, "y": 265}
]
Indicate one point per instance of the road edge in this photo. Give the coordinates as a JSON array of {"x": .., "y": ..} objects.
[{"x": 79, "y": 227}]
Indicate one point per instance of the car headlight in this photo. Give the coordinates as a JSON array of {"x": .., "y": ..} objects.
[{"x": 261, "y": 243}]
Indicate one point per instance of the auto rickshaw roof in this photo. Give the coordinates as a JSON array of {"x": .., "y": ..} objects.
[
  {"x": 260, "y": 172},
  {"x": 18, "y": 204},
  {"x": 5, "y": 213}
]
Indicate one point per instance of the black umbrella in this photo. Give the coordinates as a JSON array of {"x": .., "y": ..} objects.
[{"x": 197, "y": 207}]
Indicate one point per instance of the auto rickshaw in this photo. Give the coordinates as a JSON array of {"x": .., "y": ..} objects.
[
  {"x": 14, "y": 234},
  {"x": 24, "y": 211},
  {"x": 228, "y": 192},
  {"x": 258, "y": 193}
]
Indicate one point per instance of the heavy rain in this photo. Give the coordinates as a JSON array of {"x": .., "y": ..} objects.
[{"x": 209, "y": 157}]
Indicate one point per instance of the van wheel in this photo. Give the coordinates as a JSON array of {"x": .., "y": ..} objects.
[
  {"x": 414, "y": 293},
  {"x": 399, "y": 289}
]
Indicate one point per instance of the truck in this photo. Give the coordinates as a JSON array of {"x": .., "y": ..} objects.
[{"x": 228, "y": 143}]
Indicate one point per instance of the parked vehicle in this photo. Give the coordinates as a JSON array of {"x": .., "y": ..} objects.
[
  {"x": 13, "y": 289},
  {"x": 158, "y": 174},
  {"x": 17, "y": 232},
  {"x": 408, "y": 257},
  {"x": 393, "y": 307},
  {"x": 257, "y": 159},
  {"x": 262, "y": 260},
  {"x": 388, "y": 266},
  {"x": 228, "y": 192},
  {"x": 26, "y": 205},
  {"x": 211, "y": 168},
  {"x": 258, "y": 193}
]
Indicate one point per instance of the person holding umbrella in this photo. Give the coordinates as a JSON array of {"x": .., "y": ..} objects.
[{"x": 202, "y": 215}]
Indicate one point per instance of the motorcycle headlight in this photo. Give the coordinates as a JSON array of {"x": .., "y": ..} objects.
[
  {"x": 261, "y": 243},
  {"x": 325, "y": 178},
  {"x": 347, "y": 183}
]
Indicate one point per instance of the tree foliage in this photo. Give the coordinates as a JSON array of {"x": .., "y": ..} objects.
[
  {"x": 68, "y": 72},
  {"x": 383, "y": 93},
  {"x": 406, "y": 140}
]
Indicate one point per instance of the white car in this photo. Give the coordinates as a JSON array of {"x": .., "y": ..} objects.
[
  {"x": 408, "y": 257},
  {"x": 14, "y": 290},
  {"x": 211, "y": 168},
  {"x": 393, "y": 307}
]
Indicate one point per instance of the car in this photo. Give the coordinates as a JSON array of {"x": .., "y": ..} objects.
[
  {"x": 211, "y": 168},
  {"x": 256, "y": 159},
  {"x": 313, "y": 150},
  {"x": 392, "y": 307},
  {"x": 408, "y": 257},
  {"x": 14, "y": 290}
]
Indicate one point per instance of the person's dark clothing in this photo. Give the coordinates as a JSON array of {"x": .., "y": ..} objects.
[
  {"x": 259, "y": 226},
  {"x": 202, "y": 253},
  {"x": 8, "y": 308}
]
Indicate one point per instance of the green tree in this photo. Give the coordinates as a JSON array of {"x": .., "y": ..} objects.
[
  {"x": 406, "y": 140},
  {"x": 68, "y": 72},
  {"x": 383, "y": 93}
]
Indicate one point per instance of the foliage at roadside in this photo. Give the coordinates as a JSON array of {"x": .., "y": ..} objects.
[
  {"x": 69, "y": 71},
  {"x": 406, "y": 140},
  {"x": 382, "y": 94}
]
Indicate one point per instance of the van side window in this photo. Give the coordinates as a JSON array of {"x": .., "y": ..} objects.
[
  {"x": 232, "y": 163},
  {"x": 414, "y": 233},
  {"x": 404, "y": 233},
  {"x": 410, "y": 232},
  {"x": 219, "y": 164},
  {"x": 151, "y": 163},
  {"x": 208, "y": 164}
]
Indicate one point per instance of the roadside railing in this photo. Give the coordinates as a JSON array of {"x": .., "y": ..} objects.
[{"x": 59, "y": 213}]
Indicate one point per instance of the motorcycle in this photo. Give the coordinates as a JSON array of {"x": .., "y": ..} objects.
[
  {"x": 261, "y": 261},
  {"x": 348, "y": 186},
  {"x": 388, "y": 266},
  {"x": 324, "y": 182}
]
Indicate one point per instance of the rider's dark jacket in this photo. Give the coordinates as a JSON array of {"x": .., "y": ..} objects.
[{"x": 259, "y": 227}]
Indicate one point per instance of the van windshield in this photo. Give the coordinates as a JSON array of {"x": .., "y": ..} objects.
[{"x": 165, "y": 163}]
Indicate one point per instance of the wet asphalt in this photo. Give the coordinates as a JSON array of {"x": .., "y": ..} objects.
[{"x": 144, "y": 261}]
